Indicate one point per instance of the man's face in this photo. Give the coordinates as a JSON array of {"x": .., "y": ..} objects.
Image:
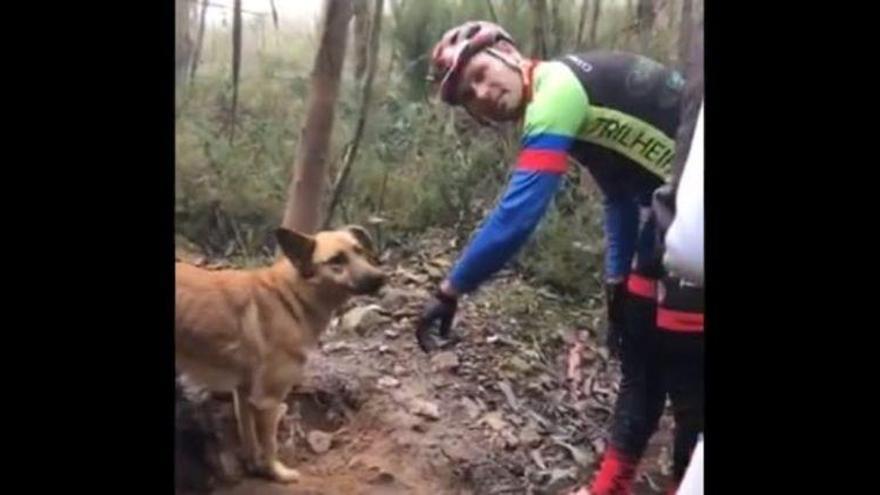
[{"x": 491, "y": 89}]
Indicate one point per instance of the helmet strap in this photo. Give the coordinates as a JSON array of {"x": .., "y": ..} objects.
[
  {"x": 527, "y": 69},
  {"x": 509, "y": 60}
]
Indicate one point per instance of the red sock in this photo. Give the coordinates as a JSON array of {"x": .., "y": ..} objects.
[{"x": 615, "y": 474}]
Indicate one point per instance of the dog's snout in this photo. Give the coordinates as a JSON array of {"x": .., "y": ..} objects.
[{"x": 372, "y": 283}]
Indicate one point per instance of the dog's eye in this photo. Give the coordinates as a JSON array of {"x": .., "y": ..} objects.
[{"x": 339, "y": 259}]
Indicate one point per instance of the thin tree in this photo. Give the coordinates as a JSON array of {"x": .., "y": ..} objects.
[
  {"x": 200, "y": 37},
  {"x": 597, "y": 7},
  {"x": 306, "y": 189},
  {"x": 182, "y": 40},
  {"x": 361, "y": 36},
  {"x": 274, "y": 14},
  {"x": 582, "y": 20},
  {"x": 236, "y": 63},
  {"x": 539, "y": 9},
  {"x": 492, "y": 11},
  {"x": 645, "y": 16},
  {"x": 684, "y": 41},
  {"x": 557, "y": 27},
  {"x": 348, "y": 160}
]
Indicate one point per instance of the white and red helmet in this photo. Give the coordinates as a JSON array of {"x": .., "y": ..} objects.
[{"x": 456, "y": 47}]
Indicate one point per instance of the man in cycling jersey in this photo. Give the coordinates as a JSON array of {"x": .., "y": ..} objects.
[{"x": 616, "y": 114}]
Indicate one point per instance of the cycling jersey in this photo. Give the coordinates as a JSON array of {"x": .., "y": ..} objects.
[{"x": 614, "y": 113}]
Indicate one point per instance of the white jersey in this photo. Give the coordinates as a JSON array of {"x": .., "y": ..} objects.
[
  {"x": 684, "y": 239},
  {"x": 692, "y": 483}
]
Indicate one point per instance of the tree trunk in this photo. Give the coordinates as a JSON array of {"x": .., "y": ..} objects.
[
  {"x": 182, "y": 41},
  {"x": 397, "y": 11},
  {"x": 306, "y": 189},
  {"x": 687, "y": 25},
  {"x": 274, "y": 14},
  {"x": 361, "y": 34},
  {"x": 492, "y": 11},
  {"x": 597, "y": 7},
  {"x": 397, "y": 15},
  {"x": 197, "y": 51},
  {"x": 581, "y": 22},
  {"x": 645, "y": 16},
  {"x": 557, "y": 27},
  {"x": 348, "y": 160},
  {"x": 236, "y": 64},
  {"x": 539, "y": 9}
]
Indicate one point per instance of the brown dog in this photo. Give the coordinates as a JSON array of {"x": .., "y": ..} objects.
[{"x": 247, "y": 331}]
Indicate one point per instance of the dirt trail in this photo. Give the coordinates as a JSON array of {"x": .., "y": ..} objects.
[
  {"x": 396, "y": 425},
  {"x": 494, "y": 415}
]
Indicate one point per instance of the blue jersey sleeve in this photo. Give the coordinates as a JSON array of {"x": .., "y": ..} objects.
[
  {"x": 621, "y": 232},
  {"x": 507, "y": 228}
]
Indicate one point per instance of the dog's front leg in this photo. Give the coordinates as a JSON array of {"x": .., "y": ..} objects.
[{"x": 268, "y": 413}]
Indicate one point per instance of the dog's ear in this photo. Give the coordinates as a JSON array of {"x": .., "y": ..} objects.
[
  {"x": 298, "y": 248},
  {"x": 362, "y": 236}
]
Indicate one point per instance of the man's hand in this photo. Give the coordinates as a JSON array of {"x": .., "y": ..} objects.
[
  {"x": 614, "y": 296},
  {"x": 440, "y": 308}
]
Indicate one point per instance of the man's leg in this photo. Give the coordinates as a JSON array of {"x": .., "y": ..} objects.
[
  {"x": 683, "y": 374},
  {"x": 680, "y": 325},
  {"x": 641, "y": 398}
]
